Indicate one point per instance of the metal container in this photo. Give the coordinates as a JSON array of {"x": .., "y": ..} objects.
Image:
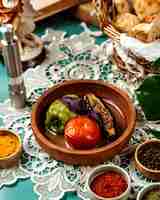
[
  {"x": 146, "y": 189},
  {"x": 14, "y": 66},
  {"x": 102, "y": 169}
]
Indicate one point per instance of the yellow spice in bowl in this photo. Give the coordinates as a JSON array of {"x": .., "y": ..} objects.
[{"x": 9, "y": 144}]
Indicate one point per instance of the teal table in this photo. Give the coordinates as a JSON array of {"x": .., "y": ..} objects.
[{"x": 23, "y": 190}]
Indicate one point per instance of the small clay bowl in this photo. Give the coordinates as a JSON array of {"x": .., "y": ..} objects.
[
  {"x": 147, "y": 189},
  {"x": 149, "y": 173},
  {"x": 102, "y": 169},
  {"x": 116, "y": 99},
  {"x": 12, "y": 159}
]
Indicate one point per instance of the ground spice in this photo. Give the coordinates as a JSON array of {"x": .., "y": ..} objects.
[
  {"x": 8, "y": 144},
  {"x": 152, "y": 195},
  {"x": 109, "y": 184},
  {"x": 149, "y": 156}
]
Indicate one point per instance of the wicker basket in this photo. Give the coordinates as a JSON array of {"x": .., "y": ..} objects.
[{"x": 102, "y": 8}]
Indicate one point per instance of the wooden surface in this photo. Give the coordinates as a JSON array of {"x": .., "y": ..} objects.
[{"x": 55, "y": 8}]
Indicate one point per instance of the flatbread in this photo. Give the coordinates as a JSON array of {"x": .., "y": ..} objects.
[
  {"x": 126, "y": 22},
  {"x": 145, "y": 8},
  {"x": 122, "y": 6}
]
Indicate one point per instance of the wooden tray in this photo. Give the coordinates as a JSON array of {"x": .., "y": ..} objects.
[{"x": 55, "y": 8}]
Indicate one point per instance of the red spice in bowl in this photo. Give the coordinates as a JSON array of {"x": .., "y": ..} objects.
[{"x": 109, "y": 184}]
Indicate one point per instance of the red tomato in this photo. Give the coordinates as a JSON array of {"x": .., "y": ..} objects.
[{"x": 82, "y": 132}]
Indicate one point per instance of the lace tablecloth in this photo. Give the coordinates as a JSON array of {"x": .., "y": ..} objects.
[{"x": 75, "y": 57}]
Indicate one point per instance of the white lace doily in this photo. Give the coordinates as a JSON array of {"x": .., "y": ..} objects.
[{"x": 76, "y": 57}]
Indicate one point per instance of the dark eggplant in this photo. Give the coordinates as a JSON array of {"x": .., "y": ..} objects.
[
  {"x": 73, "y": 102},
  {"x": 95, "y": 104}
]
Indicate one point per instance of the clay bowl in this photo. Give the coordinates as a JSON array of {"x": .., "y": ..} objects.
[
  {"x": 13, "y": 159},
  {"x": 149, "y": 173},
  {"x": 117, "y": 100}
]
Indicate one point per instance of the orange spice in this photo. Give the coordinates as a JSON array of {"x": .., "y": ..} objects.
[{"x": 9, "y": 143}]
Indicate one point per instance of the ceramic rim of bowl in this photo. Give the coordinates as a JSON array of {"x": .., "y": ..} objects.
[
  {"x": 102, "y": 169},
  {"x": 146, "y": 189},
  {"x": 18, "y": 147},
  {"x": 136, "y": 155}
]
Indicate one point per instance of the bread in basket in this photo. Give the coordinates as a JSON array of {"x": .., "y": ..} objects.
[{"x": 134, "y": 27}]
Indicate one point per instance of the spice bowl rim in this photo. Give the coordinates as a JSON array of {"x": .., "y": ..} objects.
[
  {"x": 102, "y": 169},
  {"x": 138, "y": 163},
  {"x": 19, "y": 148},
  {"x": 146, "y": 189}
]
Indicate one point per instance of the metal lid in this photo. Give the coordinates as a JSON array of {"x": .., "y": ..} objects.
[{"x": 6, "y": 33}]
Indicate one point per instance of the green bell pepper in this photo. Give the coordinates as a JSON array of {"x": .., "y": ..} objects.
[{"x": 57, "y": 115}]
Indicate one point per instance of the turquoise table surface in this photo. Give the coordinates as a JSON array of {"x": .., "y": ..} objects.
[{"x": 23, "y": 190}]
